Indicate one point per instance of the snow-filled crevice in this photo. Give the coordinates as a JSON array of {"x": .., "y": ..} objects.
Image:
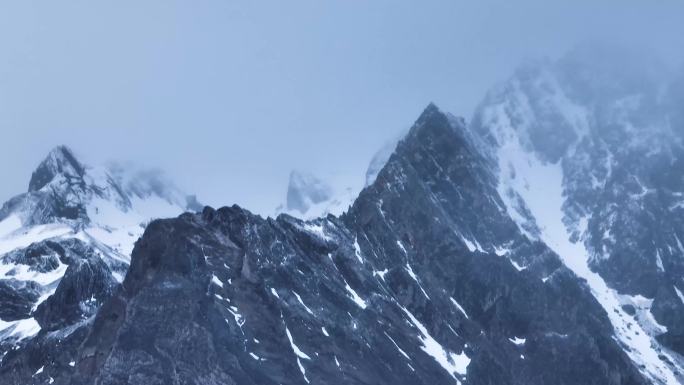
[{"x": 540, "y": 186}]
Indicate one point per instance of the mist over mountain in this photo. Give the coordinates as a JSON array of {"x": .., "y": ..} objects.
[
  {"x": 229, "y": 97},
  {"x": 538, "y": 242}
]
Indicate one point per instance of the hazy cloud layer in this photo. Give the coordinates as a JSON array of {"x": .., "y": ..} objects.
[{"x": 229, "y": 96}]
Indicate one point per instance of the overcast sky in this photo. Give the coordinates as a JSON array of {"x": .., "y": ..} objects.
[{"x": 228, "y": 96}]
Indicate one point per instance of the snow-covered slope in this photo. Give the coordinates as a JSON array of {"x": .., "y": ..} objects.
[
  {"x": 72, "y": 211},
  {"x": 580, "y": 145}
]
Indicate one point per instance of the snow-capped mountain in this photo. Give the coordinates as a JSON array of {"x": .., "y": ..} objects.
[
  {"x": 66, "y": 243},
  {"x": 539, "y": 244},
  {"x": 310, "y": 197},
  {"x": 590, "y": 162}
]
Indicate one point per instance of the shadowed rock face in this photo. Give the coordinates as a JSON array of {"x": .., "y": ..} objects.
[
  {"x": 17, "y": 298},
  {"x": 87, "y": 282},
  {"x": 416, "y": 284}
]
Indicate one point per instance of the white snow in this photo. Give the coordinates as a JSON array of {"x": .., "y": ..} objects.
[
  {"x": 415, "y": 278},
  {"x": 501, "y": 251},
  {"x": 300, "y": 354},
  {"x": 452, "y": 363},
  {"x": 115, "y": 222},
  {"x": 239, "y": 320},
  {"x": 302, "y": 303},
  {"x": 21, "y": 328},
  {"x": 357, "y": 298},
  {"x": 517, "y": 266},
  {"x": 517, "y": 341},
  {"x": 22, "y": 272},
  {"x": 357, "y": 250},
  {"x": 659, "y": 262},
  {"x": 295, "y": 349},
  {"x": 301, "y": 369},
  {"x": 216, "y": 281},
  {"x": 380, "y": 273},
  {"x": 21, "y": 239},
  {"x": 401, "y": 246},
  {"x": 317, "y": 230},
  {"x": 459, "y": 307},
  {"x": 679, "y": 294},
  {"x": 540, "y": 186},
  {"x": 470, "y": 245},
  {"x": 9, "y": 225},
  {"x": 403, "y": 353}
]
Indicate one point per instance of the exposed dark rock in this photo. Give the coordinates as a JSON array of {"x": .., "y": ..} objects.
[
  {"x": 17, "y": 298},
  {"x": 629, "y": 309},
  {"x": 60, "y": 161},
  {"x": 87, "y": 282}
]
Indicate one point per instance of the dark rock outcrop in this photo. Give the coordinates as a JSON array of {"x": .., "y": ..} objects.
[{"x": 17, "y": 298}]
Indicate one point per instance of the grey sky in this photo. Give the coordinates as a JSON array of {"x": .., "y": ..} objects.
[{"x": 229, "y": 96}]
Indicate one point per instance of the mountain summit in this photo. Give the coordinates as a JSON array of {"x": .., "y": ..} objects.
[
  {"x": 539, "y": 244},
  {"x": 65, "y": 244},
  {"x": 60, "y": 161}
]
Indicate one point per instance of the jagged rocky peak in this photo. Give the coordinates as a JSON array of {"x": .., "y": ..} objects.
[
  {"x": 435, "y": 176},
  {"x": 66, "y": 243},
  {"x": 405, "y": 288},
  {"x": 60, "y": 161},
  {"x": 81, "y": 193}
]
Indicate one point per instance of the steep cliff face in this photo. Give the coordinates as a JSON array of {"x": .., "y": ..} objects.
[
  {"x": 591, "y": 146},
  {"x": 425, "y": 280}
]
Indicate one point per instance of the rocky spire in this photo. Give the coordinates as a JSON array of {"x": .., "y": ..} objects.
[{"x": 60, "y": 160}]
